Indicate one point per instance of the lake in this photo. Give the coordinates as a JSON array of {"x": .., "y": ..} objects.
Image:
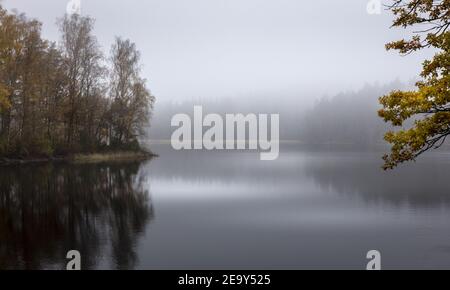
[{"x": 310, "y": 209}]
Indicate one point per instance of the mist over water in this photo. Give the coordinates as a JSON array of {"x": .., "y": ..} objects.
[
  {"x": 323, "y": 204},
  {"x": 349, "y": 117}
]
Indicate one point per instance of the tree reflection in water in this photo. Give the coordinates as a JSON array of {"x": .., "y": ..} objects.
[{"x": 48, "y": 209}]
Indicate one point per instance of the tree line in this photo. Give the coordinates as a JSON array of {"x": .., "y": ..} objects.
[
  {"x": 67, "y": 97},
  {"x": 348, "y": 118}
]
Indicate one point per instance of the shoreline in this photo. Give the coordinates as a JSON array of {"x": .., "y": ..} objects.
[{"x": 83, "y": 158}]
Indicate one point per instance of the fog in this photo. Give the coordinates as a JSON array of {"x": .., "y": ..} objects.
[
  {"x": 322, "y": 65},
  {"x": 285, "y": 51},
  {"x": 322, "y": 204},
  {"x": 347, "y": 118}
]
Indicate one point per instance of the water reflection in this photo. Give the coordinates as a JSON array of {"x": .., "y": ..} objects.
[
  {"x": 100, "y": 210},
  {"x": 347, "y": 172},
  {"x": 228, "y": 210},
  {"x": 416, "y": 185},
  {"x": 310, "y": 209}
]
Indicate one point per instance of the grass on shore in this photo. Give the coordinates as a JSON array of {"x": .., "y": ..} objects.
[
  {"x": 85, "y": 157},
  {"x": 112, "y": 156}
]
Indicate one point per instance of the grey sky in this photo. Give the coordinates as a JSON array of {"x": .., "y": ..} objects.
[{"x": 217, "y": 48}]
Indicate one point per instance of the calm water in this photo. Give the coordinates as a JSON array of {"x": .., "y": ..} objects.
[{"x": 197, "y": 210}]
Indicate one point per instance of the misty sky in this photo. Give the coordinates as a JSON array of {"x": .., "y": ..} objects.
[{"x": 245, "y": 48}]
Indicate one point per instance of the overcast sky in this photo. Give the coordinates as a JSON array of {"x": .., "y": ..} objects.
[{"x": 228, "y": 48}]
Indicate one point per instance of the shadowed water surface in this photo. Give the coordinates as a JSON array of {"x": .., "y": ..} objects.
[{"x": 197, "y": 209}]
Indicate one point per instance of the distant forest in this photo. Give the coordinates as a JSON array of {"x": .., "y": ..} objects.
[
  {"x": 67, "y": 97},
  {"x": 346, "y": 118}
]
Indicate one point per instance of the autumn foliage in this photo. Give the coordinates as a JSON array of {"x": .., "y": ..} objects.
[
  {"x": 429, "y": 105},
  {"x": 67, "y": 97}
]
